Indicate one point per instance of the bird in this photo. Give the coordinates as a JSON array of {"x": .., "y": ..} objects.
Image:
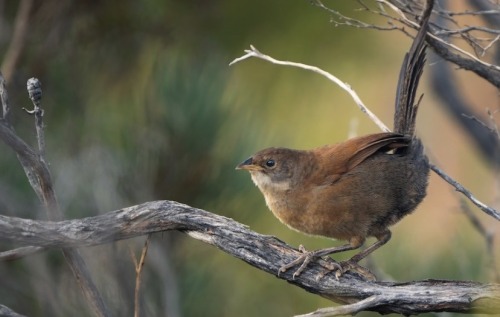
[{"x": 355, "y": 189}]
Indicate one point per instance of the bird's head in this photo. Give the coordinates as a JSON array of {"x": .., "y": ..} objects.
[{"x": 275, "y": 168}]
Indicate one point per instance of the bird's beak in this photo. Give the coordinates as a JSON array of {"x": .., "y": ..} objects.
[{"x": 248, "y": 165}]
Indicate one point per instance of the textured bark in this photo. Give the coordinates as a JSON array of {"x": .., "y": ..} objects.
[{"x": 264, "y": 252}]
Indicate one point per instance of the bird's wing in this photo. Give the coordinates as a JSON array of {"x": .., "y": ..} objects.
[
  {"x": 371, "y": 144},
  {"x": 340, "y": 158}
]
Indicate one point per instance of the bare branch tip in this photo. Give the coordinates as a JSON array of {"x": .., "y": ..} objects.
[
  {"x": 252, "y": 52},
  {"x": 34, "y": 90},
  {"x": 28, "y": 111}
]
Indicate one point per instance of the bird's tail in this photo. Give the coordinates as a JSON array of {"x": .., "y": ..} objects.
[{"x": 409, "y": 77}]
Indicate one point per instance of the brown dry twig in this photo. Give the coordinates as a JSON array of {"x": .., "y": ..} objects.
[{"x": 138, "y": 272}]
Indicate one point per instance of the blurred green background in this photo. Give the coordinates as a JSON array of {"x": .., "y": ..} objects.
[{"x": 140, "y": 104}]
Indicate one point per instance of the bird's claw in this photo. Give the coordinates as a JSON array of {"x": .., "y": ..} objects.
[
  {"x": 304, "y": 259},
  {"x": 332, "y": 266}
]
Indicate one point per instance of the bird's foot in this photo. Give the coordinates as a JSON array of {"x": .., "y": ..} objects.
[
  {"x": 306, "y": 258},
  {"x": 331, "y": 265}
]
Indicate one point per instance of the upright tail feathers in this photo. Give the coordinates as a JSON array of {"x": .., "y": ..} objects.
[{"x": 409, "y": 77}]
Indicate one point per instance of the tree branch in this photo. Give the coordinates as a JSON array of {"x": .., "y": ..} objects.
[
  {"x": 139, "y": 265},
  {"x": 18, "y": 253},
  {"x": 7, "y": 312},
  {"x": 264, "y": 252},
  {"x": 253, "y": 52},
  {"x": 405, "y": 10},
  {"x": 39, "y": 177},
  {"x": 485, "y": 208}
]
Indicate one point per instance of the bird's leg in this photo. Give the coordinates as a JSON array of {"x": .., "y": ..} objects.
[
  {"x": 309, "y": 256},
  {"x": 352, "y": 263},
  {"x": 381, "y": 240},
  {"x": 342, "y": 267}
]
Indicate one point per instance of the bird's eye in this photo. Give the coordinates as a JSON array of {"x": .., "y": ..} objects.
[{"x": 270, "y": 163}]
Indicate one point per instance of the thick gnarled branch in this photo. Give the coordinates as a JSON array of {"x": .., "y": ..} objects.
[{"x": 264, "y": 252}]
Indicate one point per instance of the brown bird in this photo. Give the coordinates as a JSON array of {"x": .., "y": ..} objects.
[{"x": 354, "y": 189}]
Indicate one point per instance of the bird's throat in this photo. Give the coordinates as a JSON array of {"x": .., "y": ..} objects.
[{"x": 266, "y": 184}]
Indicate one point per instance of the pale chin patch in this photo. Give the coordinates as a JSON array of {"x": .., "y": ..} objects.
[
  {"x": 260, "y": 180},
  {"x": 269, "y": 189},
  {"x": 263, "y": 181}
]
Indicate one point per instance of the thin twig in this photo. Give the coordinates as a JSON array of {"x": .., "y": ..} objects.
[
  {"x": 348, "y": 21},
  {"x": 488, "y": 210},
  {"x": 441, "y": 47},
  {"x": 18, "y": 253},
  {"x": 490, "y": 44},
  {"x": 441, "y": 41},
  {"x": 351, "y": 309},
  {"x": 138, "y": 273},
  {"x": 253, "y": 52},
  {"x": 468, "y": 29},
  {"x": 494, "y": 127},
  {"x": 488, "y": 236},
  {"x": 473, "y": 13}
]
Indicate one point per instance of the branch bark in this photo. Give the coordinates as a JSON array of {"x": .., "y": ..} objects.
[
  {"x": 38, "y": 175},
  {"x": 266, "y": 253},
  {"x": 7, "y": 312}
]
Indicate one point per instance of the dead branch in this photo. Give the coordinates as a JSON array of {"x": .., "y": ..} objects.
[
  {"x": 266, "y": 253},
  {"x": 138, "y": 265},
  {"x": 253, "y": 52},
  {"x": 39, "y": 177},
  {"x": 7, "y": 312},
  {"x": 18, "y": 253},
  {"x": 401, "y": 16}
]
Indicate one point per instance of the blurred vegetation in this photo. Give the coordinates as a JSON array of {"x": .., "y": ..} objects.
[{"x": 140, "y": 104}]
